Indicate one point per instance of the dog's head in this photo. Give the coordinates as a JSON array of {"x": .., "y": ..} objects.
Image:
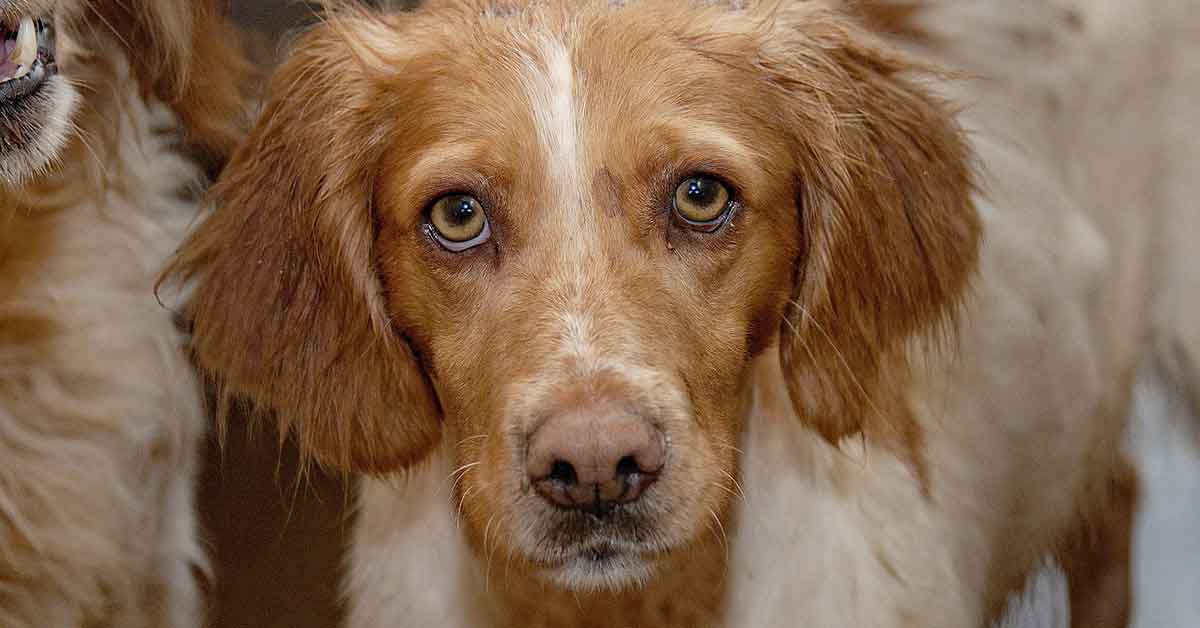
[
  {"x": 557, "y": 237},
  {"x": 181, "y": 52}
]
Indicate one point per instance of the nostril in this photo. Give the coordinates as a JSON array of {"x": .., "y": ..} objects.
[
  {"x": 563, "y": 471},
  {"x": 627, "y": 466}
]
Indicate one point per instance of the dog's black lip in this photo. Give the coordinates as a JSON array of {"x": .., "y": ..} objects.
[
  {"x": 15, "y": 90},
  {"x": 600, "y": 549},
  {"x": 44, "y": 68},
  {"x": 601, "y": 553}
]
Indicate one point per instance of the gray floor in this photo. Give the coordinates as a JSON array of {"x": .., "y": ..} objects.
[{"x": 1166, "y": 442}]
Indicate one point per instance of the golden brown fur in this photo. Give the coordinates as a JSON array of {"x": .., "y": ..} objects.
[
  {"x": 194, "y": 63},
  {"x": 860, "y": 375},
  {"x": 100, "y": 418}
]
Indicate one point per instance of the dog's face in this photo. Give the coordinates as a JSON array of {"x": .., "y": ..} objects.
[
  {"x": 585, "y": 255},
  {"x": 557, "y": 237},
  {"x": 48, "y": 72}
]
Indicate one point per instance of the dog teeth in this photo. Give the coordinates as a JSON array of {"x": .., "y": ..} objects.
[{"x": 25, "y": 52}]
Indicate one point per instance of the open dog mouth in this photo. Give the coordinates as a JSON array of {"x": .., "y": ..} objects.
[{"x": 27, "y": 57}]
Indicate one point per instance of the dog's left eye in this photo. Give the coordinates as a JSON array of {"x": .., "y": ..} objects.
[
  {"x": 458, "y": 222},
  {"x": 702, "y": 202}
]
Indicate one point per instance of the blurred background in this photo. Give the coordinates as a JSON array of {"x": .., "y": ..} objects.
[{"x": 277, "y": 537}]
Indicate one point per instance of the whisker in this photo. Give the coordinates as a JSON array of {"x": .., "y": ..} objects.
[
  {"x": 460, "y": 472},
  {"x": 487, "y": 567},
  {"x": 737, "y": 450},
  {"x": 732, "y": 493},
  {"x": 459, "y": 511},
  {"x": 736, "y": 484},
  {"x": 84, "y": 138},
  {"x": 507, "y": 565},
  {"x": 724, "y": 537},
  {"x": 472, "y": 438}
]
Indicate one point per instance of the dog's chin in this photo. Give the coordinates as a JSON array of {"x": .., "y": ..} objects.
[
  {"x": 34, "y": 130},
  {"x": 36, "y": 104},
  {"x": 602, "y": 568}
]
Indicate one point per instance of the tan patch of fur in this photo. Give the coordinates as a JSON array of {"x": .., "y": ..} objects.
[
  {"x": 189, "y": 57},
  {"x": 341, "y": 409},
  {"x": 893, "y": 17},
  {"x": 99, "y": 414}
]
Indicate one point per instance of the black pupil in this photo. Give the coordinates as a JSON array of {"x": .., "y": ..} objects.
[
  {"x": 461, "y": 210},
  {"x": 702, "y": 192}
]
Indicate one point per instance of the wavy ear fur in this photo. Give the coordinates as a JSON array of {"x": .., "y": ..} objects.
[
  {"x": 286, "y": 302},
  {"x": 188, "y": 55},
  {"x": 890, "y": 234}
]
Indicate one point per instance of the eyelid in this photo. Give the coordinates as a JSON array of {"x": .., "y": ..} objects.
[
  {"x": 459, "y": 247},
  {"x": 712, "y": 225},
  {"x": 437, "y": 195}
]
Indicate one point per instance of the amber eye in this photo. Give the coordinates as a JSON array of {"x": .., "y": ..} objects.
[
  {"x": 702, "y": 202},
  {"x": 459, "y": 222}
]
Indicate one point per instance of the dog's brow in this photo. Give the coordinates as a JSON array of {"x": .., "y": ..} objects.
[
  {"x": 606, "y": 192},
  {"x": 713, "y": 142},
  {"x": 439, "y": 165}
]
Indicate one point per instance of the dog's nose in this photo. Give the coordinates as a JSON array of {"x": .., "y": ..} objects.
[{"x": 594, "y": 458}]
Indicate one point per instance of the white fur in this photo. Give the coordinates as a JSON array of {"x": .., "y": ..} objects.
[
  {"x": 550, "y": 83},
  {"x": 624, "y": 571},
  {"x": 558, "y": 126},
  {"x": 100, "y": 418}
]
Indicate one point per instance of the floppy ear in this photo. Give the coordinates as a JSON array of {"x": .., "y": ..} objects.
[
  {"x": 286, "y": 303},
  {"x": 212, "y": 83},
  {"x": 889, "y": 231},
  {"x": 188, "y": 55}
]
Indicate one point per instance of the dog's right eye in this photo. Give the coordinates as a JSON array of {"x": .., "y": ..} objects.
[
  {"x": 458, "y": 222},
  {"x": 702, "y": 202}
]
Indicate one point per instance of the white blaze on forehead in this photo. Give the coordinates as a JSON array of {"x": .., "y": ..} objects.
[
  {"x": 552, "y": 94},
  {"x": 553, "y": 97}
]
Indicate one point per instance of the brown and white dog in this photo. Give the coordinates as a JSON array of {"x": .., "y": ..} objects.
[
  {"x": 101, "y": 105},
  {"x": 659, "y": 313}
]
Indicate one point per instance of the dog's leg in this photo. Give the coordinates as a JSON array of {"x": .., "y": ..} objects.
[
  {"x": 181, "y": 562},
  {"x": 1097, "y": 562}
]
